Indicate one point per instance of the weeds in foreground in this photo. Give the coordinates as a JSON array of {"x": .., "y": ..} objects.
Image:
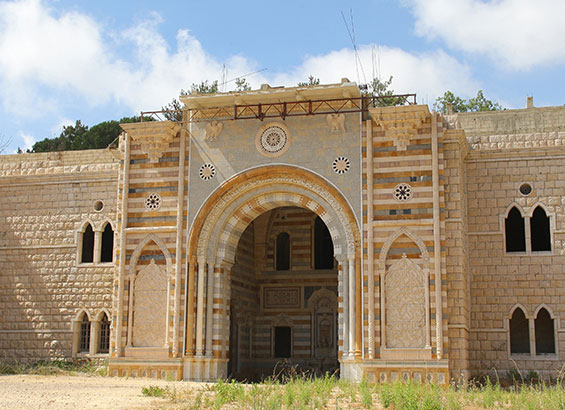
[{"x": 329, "y": 393}]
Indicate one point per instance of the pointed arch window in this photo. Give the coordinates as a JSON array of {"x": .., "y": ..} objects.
[
  {"x": 87, "y": 255},
  {"x": 323, "y": 246},
  {"x": 515, "y": 231},
  {"x": 539, "y": 230},
  {"x": 84, "y": 336},
  {"x": 545, "y": 335},
  {"x": 107, "y": 248},
  {"x": 104, "y": 336},
  {"x": 283, "y": 251},
  {"x": 519, "y": 333}
]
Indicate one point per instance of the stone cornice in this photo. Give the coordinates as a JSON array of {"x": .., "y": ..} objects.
[{"x": 154, "y": 137}]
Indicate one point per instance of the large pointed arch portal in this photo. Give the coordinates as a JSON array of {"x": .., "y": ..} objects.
[{"x": 213, "y": 242}]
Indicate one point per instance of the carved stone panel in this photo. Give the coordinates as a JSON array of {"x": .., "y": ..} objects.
[
  {"x": 405, "y": 298},
  {"x": 150, "y": 307},
  {"x": 275, "y": 297}
]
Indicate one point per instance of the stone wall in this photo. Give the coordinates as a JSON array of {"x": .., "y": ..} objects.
[{"x": 44, "y": 287}]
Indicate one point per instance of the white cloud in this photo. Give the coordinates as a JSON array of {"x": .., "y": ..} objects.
[
  {"x": 47, "y": 56},
  {"x": 427, "y": 74},
  {"x": 42, "y": 52},
  {"x": 517, "y": 34},
  {"x": 28, "y": 140}
]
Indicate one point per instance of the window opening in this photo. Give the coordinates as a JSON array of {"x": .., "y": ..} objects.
[
  {"x": 107, "y": 249},
  {"x": 104, "y": 341},
  {"x": 539, "y": 229},
  {"x": 323, "y": 246},
  {"x": 519, "y": 333},
  {"x": 282, "y": 341},
  {"x": 515, "y": 231},
  {"x": 545, "y": 336},
  {"x": 87, "y": 245},
  {"x": 84, "y": 342},
  {"x": 283, "y": 251}
]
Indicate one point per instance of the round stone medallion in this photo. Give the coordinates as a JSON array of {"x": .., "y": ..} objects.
[
  {"x": 341, "y": 165},
  {"x": 273, "y": 140},
  {"x": 402, "y": 192},
  {"x": 153, "y": 202},
  {"x": 207, "y": 171}
]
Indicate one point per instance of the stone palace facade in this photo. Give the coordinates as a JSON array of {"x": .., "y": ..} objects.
[{"x": 293, "y": 226}]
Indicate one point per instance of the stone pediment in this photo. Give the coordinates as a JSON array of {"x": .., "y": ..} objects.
[{"x": 153, "y": 137}]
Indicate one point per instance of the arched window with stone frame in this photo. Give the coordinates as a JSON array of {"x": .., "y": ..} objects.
[
  {"x": 87, "y": 244},
  {"x": 514, "y": 230},
  {"x": 519, "y": 328},
  {"x": 544, "y": 325},
  {"x": 282, "y": 251},
  {"x": 540, "y": 232},
  {"x": 104, "y": 334},
  {"x": 107, "y": 246}
]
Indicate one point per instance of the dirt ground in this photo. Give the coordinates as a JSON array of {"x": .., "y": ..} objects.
[{"x": 80, "y": 392}]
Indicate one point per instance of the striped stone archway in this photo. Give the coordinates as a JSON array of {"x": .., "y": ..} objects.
[{"x": 216, "y": 231}]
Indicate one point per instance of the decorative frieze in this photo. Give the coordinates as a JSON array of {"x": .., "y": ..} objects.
[{"x": 153, "y": 137}]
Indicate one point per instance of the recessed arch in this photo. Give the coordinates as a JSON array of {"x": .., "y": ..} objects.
[
  {"x": 518, "y": 306},
  {"x": 227, "y": 212},
  {"x": 394, "y": 236},
  {"x": 544, "y": 306},
  {"x": 82, "y": 311},
  {"x": 137, "y": 253}
]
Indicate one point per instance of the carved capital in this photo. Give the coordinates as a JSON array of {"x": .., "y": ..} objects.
[
  {"x": 153, "y": 137},
  {"x": 400, "y": 123}
]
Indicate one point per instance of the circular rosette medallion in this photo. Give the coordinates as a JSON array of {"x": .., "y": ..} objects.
[
  {"x": 341, "y": 165},
  {"x": 402, "y": 192},
  {"x": 153, "y": 202},
  {"x": 207, "y": 171},
  {"x": 273, "y": 140}
]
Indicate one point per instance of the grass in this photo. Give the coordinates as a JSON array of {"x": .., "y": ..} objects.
[
  {"x": 330, "y": 393},
  {"x": 54, "y": 367}
]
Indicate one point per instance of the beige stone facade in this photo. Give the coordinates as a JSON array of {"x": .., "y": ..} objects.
[{"x": 293, "y": 227}]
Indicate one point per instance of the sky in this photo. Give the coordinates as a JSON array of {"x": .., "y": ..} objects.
[{"x": 62, "y": 61}]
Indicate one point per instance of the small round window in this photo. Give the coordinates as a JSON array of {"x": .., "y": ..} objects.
[
  {"x": 98, "y": 206},
  {"x": 525, "y": 189}
]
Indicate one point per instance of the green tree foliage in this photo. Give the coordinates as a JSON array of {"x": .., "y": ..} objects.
[
  {"x": 80, "y": 137},
  {"x": 311, "y": 81},
  {"x": 382, "y": 93},
  {"x": 241, "y": 84},
  {"x": 478, "y": 103}
]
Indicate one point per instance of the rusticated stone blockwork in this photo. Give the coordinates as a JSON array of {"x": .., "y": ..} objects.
[
  {"x": 47, "y": 201},
  {"x": 293, "y": 227}
]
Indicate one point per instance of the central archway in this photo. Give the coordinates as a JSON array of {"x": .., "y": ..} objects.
[{"x": 215, "y": 235}]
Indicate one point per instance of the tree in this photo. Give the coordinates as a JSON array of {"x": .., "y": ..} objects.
[
  {"x": 241, "y": 84},
  {"x": 478, "y": 103},
  {"x": 204, "y": 88},
  {"x": 80, "y": 137},
  {"x": 383, "y": 96},
  {"x": 311, "y": 81}
]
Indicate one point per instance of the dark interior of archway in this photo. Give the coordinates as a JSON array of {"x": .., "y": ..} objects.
[{"x": 275, "y": 321}]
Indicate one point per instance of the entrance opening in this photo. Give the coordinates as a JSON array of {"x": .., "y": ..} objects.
[{"x": 283, "y": 314}]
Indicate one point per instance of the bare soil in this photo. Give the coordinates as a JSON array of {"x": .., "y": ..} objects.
[{"x": 81, "y": 392}]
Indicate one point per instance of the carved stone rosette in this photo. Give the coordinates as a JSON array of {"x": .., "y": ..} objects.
[{"x": 153, "y": 137}]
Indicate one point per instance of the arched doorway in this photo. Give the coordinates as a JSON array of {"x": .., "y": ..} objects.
[
  {"x": 248, "y": 202},
  {"x": 284, "y": 292}
]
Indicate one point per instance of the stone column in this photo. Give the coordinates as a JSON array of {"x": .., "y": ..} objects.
[
  {"x": 97, "y": 246},
  {"x": 209, "y": 309},
  {"x": 351, "y": 327},
  {"x": 200, "y": 307},
  {"x": 190, "y": 307},
  {"x": 130, "y": 310},
  {"x": 344, "y": 268}
]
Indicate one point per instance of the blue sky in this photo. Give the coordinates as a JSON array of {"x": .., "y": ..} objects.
[{"x": 61, "y": 60}]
